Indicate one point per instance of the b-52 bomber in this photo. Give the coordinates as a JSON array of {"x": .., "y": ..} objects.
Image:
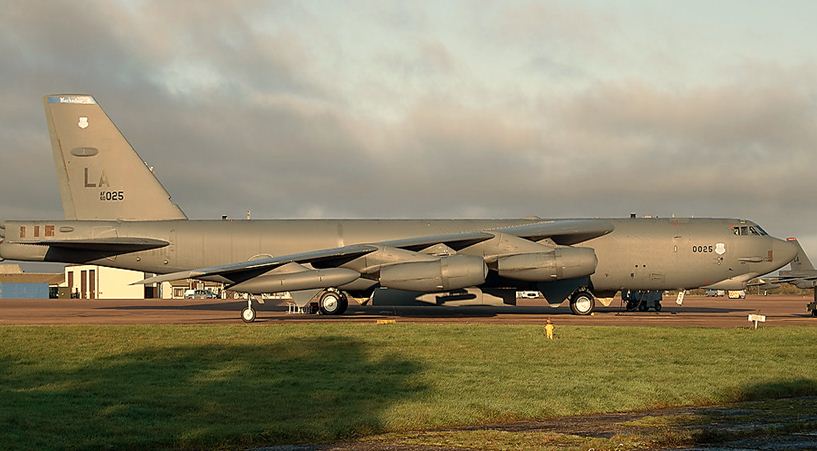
[{"x": 118, "y": 214}]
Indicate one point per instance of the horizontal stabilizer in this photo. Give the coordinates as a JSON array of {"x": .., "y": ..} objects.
[{"x": 118, "y": 245}]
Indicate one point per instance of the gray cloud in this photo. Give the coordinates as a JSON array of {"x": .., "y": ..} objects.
[{"x": 235, "y": 116}]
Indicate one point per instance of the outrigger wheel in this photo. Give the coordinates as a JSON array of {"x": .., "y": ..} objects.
[
  {"x": 248, "y": 314},
  {"x": 582, "y": 302},
  {"x": 332, "y": 302}
]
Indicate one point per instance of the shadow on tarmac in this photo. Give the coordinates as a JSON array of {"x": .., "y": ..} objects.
[{"x": 423, "y": 311}]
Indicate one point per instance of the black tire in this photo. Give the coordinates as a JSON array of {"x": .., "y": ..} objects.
[
  {"x": 631, "y": 306},
  {"x": 331, "y": 302},
  {"x": 814, "y": 313},
  {"x": 642, "y": 307},
  {"x": 344, "y": 304},
  {"x": 582, "y": 303},
  {"x": 657, "y": 307},
  {"x": 248, "y": 314}
]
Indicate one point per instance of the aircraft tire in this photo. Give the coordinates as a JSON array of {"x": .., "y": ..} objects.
[
  {"x": 657, "y": 307},
  {"x": 344, "y": 304},
  {"x": 248, "y": 314},
  {"x": 332, "y": 302},
  {"x": 814, "y": 313},
  {"x": 582, "y": 303},
  {"x": 642, "y": 307}
]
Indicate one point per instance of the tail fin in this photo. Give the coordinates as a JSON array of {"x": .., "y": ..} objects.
[
  {"x": 801, "y": 261},
  {"x": 100, "y": 175}
]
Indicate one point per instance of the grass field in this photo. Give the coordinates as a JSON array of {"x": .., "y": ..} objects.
[{"x": 231, "y": 386}]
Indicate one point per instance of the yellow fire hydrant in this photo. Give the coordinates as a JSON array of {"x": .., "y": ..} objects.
[{"x": 549, "y": 329}]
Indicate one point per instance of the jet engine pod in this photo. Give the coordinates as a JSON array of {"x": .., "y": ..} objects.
[
  {"x": 560, "y": 263},
  {"x": 447, "y": 273}
]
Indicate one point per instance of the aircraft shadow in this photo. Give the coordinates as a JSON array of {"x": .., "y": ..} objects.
[
  {"x": 423, "y": 311},
  {"x": 199, "y": 395}
]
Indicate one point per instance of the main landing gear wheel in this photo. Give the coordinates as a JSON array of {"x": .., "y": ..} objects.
[
  {"x": 657, "y": 307},
  {"x": 248, "y": 314},
  {"x": 332, "y": 302},
  {"x": 582, "y": 303}
]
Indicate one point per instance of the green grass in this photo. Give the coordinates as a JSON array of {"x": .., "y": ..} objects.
[{"x": 229, "y": 386}]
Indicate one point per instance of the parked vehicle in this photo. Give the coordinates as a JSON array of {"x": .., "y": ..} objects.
[
  {"x": 199, "y": 294},
  {"x": 736, "y": 294},
  {"x": 715, "y": 293}
]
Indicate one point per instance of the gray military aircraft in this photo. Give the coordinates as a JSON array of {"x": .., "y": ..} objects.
[
  {"x": 118, "y": 214},
  {"x": 801, "y": 274}
]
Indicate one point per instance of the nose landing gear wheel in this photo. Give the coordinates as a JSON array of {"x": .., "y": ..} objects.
[
  {"x": 248, "y": 314},
  {"x": 332, "y": 303},
  {"x": 582, "y": 303}
]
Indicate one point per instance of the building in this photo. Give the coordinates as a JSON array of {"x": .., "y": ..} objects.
[
  {"x": 16, "y": 284},
  {"x": 101, "y": 282}
]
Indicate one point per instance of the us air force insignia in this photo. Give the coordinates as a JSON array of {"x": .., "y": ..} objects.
[
  {"x": 83, "y": 122},
  {"x": 720, "y": 248}
]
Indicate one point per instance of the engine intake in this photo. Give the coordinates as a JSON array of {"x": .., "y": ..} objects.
[
  {"x": 561, "y": 263},
  {"x": 447, "y": 273}
]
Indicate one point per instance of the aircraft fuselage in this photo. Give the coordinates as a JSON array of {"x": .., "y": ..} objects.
[{"x": 640, "y": 254}]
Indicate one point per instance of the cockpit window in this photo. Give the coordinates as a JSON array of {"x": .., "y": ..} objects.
[
  {"x": 744, "y": 231},
  {"x": 760, "y": 229}
]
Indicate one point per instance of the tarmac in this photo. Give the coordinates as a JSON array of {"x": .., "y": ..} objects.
[{"x": 696, "y": 311}]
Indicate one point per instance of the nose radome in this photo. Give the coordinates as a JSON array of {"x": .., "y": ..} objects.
[{"x": 784, "y": 251}]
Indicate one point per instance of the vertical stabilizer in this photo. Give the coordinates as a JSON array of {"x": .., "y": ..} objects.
[
  {"x": 100, "y": 175},
  {"x": 801, "y": 261}
]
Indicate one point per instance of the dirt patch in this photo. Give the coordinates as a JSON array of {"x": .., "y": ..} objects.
[{"x": 774, "y": 425}]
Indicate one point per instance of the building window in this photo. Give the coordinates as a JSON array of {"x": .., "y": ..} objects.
[
  {"x": 22, "y": 231},
  {"x": 49, "y": 230},
  {"x": 36, "y": 231}
]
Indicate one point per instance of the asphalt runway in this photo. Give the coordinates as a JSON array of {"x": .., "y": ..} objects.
[{"x": 696, "y": 312}]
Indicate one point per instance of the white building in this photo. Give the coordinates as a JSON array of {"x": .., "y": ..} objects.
[{"x": 100, "y": 282}]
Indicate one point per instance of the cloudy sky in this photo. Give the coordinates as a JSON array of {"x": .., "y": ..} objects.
[{"x": 431, "y": 109}]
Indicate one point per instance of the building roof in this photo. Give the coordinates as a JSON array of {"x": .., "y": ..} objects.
[
  {"x": 28, "y": 277},
  {"x": 10, "y": 268}
]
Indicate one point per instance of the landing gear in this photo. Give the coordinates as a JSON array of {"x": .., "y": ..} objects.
[
  {"x": 582, "y": 302},
  {"x": 248, "y": 313},
  {"x": 642, "y": 300},
  {"x": 332, "y": 302}
]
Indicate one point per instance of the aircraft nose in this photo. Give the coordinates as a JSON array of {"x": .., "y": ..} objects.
[{"x": 784, "y": 251}]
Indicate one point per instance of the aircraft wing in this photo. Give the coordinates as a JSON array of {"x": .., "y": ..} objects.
[
  {"x": 248, "y": 269},
  {"x": 567, "y": 232},
  {"x": 561, "y": 232},
  {"x": 113, "y": 244}
]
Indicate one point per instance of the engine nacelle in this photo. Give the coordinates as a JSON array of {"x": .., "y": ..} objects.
[
  {"x": 447, "y": 273},
  {"x": 560, "y": 263}
]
